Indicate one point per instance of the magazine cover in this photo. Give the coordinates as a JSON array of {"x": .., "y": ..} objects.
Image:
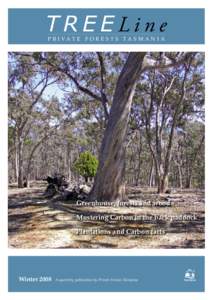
[{"x": 103, "y": 149}]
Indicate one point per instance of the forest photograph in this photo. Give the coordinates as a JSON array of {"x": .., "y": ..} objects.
[{"x": 106, "y": 150}]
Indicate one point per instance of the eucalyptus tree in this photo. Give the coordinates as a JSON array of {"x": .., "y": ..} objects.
[
  {"x": 101, "y": 87},
  {"x": 26, "y": 86},
  {"x": 167, "y": 99}
]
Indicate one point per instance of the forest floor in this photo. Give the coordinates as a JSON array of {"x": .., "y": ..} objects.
[{"x": 149, "y": 220}]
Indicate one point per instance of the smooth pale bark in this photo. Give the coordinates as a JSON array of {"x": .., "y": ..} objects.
[
  {"x": 108, "y": 183},
  {"x": 163, "y": 183},
  {"x": 69, "y": 160},
  {"x": 138, "y": 172},
  {"x": 16, "y": 165},
  {"x": 162, "y": 165},
  {"x": 180, "y": 176},
  {"x": 151, "y": 174},
  {"x": 20, "y": 164}
]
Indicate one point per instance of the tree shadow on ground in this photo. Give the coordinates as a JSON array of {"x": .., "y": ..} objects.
[{"x": 31, "y": 211}]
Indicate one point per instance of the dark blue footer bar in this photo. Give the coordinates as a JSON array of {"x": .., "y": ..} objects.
[{"x": 106, "y": 274}]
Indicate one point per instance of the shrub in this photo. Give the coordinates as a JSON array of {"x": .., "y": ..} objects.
[{"x": 86, "y": 165}]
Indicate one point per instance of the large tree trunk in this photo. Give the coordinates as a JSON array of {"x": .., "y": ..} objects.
[{"x": 108, "y": 183}]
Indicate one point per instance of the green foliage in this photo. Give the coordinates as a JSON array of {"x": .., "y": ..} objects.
[
  {"x": 28, "y": 142},
  {"x": 86, "y": 165}
]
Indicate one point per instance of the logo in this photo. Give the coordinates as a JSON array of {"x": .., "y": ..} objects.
[{"x": 190, "y": 275}]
